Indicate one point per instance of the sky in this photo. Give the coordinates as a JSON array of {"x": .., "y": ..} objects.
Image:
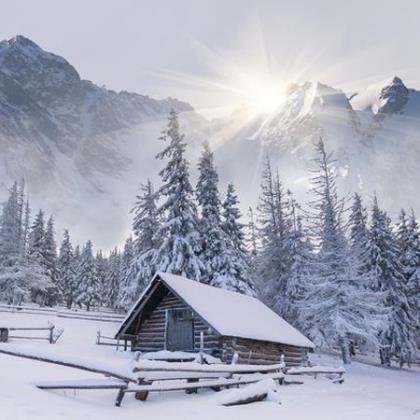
[{"x": 217, "y": 53}]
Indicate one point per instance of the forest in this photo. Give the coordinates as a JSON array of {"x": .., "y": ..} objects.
[{"x": 338, "y": 269}]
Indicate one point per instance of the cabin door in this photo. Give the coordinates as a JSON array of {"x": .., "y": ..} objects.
[{"x": 179, "y": 330}]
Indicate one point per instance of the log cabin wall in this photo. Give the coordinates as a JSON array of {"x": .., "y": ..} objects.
[
  {"x": 261, "y": 352},
  {"x": 151, "y": 334}
]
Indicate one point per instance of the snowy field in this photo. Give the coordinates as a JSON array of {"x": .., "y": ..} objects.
[{"x": 368, "y": 393}]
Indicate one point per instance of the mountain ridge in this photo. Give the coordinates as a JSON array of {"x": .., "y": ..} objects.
[{"x": 76, "y": 142}]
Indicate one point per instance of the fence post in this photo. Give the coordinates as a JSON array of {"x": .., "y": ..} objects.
[
  {"x": 51, "y": 338},
  {"x": 201, "y": 347}
]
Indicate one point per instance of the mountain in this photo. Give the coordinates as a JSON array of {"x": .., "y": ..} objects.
[
  {"x": 84, "y": 149},
  {"x": 375, "y": 137},
  {"x": 67, "y": 136}
]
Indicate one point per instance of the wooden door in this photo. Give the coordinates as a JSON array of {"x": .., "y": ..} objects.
[{"x": 179, "y": 330}]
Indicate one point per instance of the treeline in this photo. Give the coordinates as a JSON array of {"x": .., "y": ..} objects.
[
  {"x": 343, "y": 274},
  {"x": 31, "y": 270}
]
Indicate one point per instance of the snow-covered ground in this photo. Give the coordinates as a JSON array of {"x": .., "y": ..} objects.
[{"x": 368, "y": 393}]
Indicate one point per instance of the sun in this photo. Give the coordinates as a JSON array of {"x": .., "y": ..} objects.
[
  {"x": 268, "y": 100},
  {"x": 265, "y": 95}
]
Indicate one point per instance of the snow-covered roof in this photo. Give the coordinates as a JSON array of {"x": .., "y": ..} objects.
[{"x": 229, "y": 313}]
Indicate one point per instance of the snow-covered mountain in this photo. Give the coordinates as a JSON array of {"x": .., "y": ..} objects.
[
  {"x": 84, "y": 149},
  {"x": 375, "y": 137},
  {"x": 67, "y": 136}
]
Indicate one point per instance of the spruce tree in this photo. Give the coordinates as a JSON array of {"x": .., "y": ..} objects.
[
  {"x": 102, "y": 267},
  {"x": 87, "y": 291},
  {"x": 14, "y": 279},
  {"x": 358, "y": 242},
  {"x": 50, "y": 251},
  {"x": 301, "y": 261},
  {"x": 178, "y": 234},
  {"x": 213, "y": 239},
  {"x": 66, "y": 270},
  {"x": 114, "y": 275},
  {"x": 237, "y": 268},
  {"x": 143, "y": 262},
  {"x": 273, "y": 261},
  {"x": 335, "y": 311},
  {"x": 412, "y": 267},
  {"x": 397, "y": 337}
]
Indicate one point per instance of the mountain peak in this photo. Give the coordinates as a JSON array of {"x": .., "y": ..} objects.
[
  {"x": 22, "y": 41},
  {"x": 386, "y": 97},
  {"x": 392, "y": 98}
]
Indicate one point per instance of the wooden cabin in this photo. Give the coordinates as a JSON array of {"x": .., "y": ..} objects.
[{"x": 175, "y": 314}]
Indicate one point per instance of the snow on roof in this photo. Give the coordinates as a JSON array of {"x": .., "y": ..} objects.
[{"x": 230, "y": 313}]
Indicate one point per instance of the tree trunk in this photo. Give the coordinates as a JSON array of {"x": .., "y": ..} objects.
[{"x": 344, "y": 347}]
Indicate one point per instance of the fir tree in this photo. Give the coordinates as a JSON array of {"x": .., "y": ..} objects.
[
  {"x": 397, "y": 338},
  {"x": 334, "y": 310},
  {"x": 213, "y": 239},
  {"x": 412, "y": 266},
  {"x": 50, "y": 251},
  {"x": 358, "y": 241},
  {"x": 301, "y": 260},
  {"x": 178, "y": 234},
  {"x": 273, "y": 262},
  {"x": 66, "y": 270},
  {"x": 87, "y": 291},
  {"x": 14, "y": 281},
  {"x": 101, "y": 265},
  {"x": 252, "y": 235},
  {"x": 237, "y": 270},
  {"x": 114, "y": 275},
  {"x": 36, "y": 238},
  {"x": 141, "y": 269}
]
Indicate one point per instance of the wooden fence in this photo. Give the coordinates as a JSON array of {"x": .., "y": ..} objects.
[{"x": 101, "y": 314}]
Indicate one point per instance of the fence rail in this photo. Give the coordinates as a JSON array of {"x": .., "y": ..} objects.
[{"x": 103, "y": 315}]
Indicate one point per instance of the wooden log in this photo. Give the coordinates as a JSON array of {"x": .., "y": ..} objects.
[
  {"x": 241, "y": 401},
  {"x": 74, "y": 365}
]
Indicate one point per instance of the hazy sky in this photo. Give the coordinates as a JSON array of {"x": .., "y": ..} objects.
[{"x": 198, "y": 50}]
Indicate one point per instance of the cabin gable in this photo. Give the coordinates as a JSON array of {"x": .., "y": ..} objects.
[{"x": 163, "y": 323}]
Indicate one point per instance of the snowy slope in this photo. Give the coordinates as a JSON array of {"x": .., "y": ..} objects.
[
  {"x": 69, "y": 138},
  {"x": 368, "y": 393}
]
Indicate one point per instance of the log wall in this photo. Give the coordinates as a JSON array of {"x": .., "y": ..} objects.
[
  {"x": 151, "y": 336},
  {"x": 261, "y": 352}
]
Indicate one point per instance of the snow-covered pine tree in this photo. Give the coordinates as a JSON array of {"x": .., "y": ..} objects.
[
  {"x": 43, "y": 290},
  {"x": 142, "y": 268},
  {"x": 145, "y": 219},
  {"x": 212, "y": 236},
  {"x": 358, "y": 242},
  {"x": 50, "y": 252},
  {"x": 252, "y": 235},
  {"x": 412, "y": 266},
  {"x": 397, "y": 337},
  {"x": 273, "y": 260},
  {"x": 114, "y": 275},
  {"x": 25, "y": 228},
  {"x": 301, "y": 260},
  {"x": 87, "y": 289},
  {"x": 334, "y": 310},
  {"x": 10, "y": 227},
  {"x": 237, "y": 268},
  {"x": 102, "y": 268},
  {"x": 178, "y": 234},
  {"x": 66, "y": 270},
  {"x": 127, "y": 256},
  {"x": 36, "y": 238},
  {"x": 14, "y": 282}
]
